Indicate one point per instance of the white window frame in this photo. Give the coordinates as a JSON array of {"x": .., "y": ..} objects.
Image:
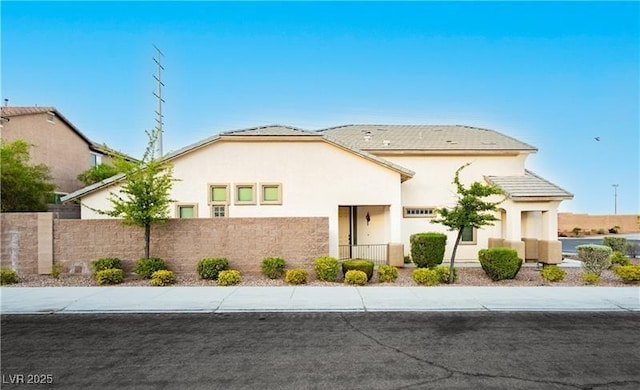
[
  {"x": 224, "y": 207},
  {"x": 418, "y": 212},
  {"x": 179, "y": 206},
  {"x": 472, "y": 242},
  {"x": 236, "y": 194},
  {"x": 211, "y": 186},
  {"x": 95, "y": 159},
  {"x": 278, "y": 186}
]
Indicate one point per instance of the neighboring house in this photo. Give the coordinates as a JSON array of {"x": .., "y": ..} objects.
[
  {"x": 377, "y": 185},
  {"x": 57, "y": 143}
]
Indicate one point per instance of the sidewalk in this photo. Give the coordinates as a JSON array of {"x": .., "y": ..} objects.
[{"x": 75, "y": 300}]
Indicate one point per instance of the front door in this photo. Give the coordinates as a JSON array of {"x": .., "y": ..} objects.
[{"x": 346, "y": 230}]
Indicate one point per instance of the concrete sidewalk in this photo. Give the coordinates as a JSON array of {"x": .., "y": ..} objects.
[{"x": 73, "y": 300}]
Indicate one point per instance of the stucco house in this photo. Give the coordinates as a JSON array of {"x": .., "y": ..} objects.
[{"x": 377, "y": 184}]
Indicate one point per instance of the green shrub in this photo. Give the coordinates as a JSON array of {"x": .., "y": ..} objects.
[
  {"x": 427, "y": 249},
  {"x": 105, "y": 263},
  {"x": 273, "y": 267},
  {"x": 146, "y": 267},
  {"x": 601, "y": 231},
  {"x": 590, "y": 278},
  {"x": 426, "y": 276},
  {"x": 365, "y": 266},
  {"x": 615, "y": 230},
  {"x": 296, "y": 276},
  {"x": 500, "y": 263},
  {"x": 595, "y": 258},
  {"x": 228, "y": 277},
  {"x": 210, "y": 267},
  {"x": 355, "y": 277},
  {"x": 407, "y": 259},
  {"x": 8, "y": 276},
  {"x": 615, "y": 243},
  {"x": 326, "y": 268},
  {"x": 552, "y": 273},
  {"x": 576, "y": 230},
  {"x": 110, "y": 276},
  {"x": 632, "y": 249},
  {"x": 387, "y": 273},
  {"x": 163, "y": 277},
  {"x": 628, "y": 273},
  {"x": 619, "y": 258},
  {"x": 56, "y": 270},
  {"x": 443, "y": 273}
]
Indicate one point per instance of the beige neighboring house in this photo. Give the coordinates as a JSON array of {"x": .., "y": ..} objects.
[
  {"x": 57, "y": 143},
  {"x": 377, "y": 185}
]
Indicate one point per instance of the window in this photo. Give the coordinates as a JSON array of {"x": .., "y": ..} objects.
[
  {"x": 468, "y": 236},
  {"x": 218, "y": 211},
  {"x": 245, "y": 194},
  {"x": 418, "y": 212},
  {"x": 187, "y": 211},
  {"x": 96, "y": 159},
  {"x": 219, "y": 194},
  {"x": 271, "y": 193}
]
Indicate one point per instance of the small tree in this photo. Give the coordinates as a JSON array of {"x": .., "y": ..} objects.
[
  {"x": 144, "y": 196},
  {"x": 471, "y": 211},
  {"x": 25, "y": 187},
  {"x": 97, "y": 173}
]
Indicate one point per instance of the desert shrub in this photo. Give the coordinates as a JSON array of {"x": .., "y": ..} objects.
[
  {"x": 443, "y": 273},
  {"x": 8, "y": 276},
  {"x": 146, "y": 267},
  {"x": 576, "y": 230},
  {"x": 56, "y": 271},
  {"x": 110, "y": 276},
  {"x": 595, "y": 258},
  {"x": 500, "y": 263},
  {"x": 590, "y": 278},
  {"x": 355, "y": 277},
  {"x": 228, "y": 277},
  {"x": 632, "y": 249},
  {"x": 617, "y": 244},
  {"x": 407, "y": 259},
  {"x": 426, "y": 276},
  {"x": 615, "y": 230},
  {"x": 427, "y": 249},
  {"x": 365, "y": 266},
  {"x": 619, "y": 258},
  {"x": 552, "y": 273},
  {"x": 163, "y": 277},
  {"x": 296, "y": 276},
  {"x": 601, "y": 231},
  {"x": 210, "y": 267},
  {"x": 105, "y": 263},
  {"x": 326, "y": 268},
  {"x": 628, "y": 273},
  {"x": 273, "y": 267},
  {"x": 387, "y": 273}
]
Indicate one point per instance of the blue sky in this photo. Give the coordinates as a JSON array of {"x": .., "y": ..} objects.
[{"x": 554, "y": 75}]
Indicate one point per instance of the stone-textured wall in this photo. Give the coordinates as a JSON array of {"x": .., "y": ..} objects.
[
  {"x": 182, "y": 243},
  {"x": 19, "y": 242},
  {"x": 586, "y": 222}
]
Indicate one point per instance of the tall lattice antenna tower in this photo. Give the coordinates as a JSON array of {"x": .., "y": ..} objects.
[{"x": 158, "y": 95}]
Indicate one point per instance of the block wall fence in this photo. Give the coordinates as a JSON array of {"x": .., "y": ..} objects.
[
  {"x": 587, "y": 222},
  {"x": 32, "y": 242}
]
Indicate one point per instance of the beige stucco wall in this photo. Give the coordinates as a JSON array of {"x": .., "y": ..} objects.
[
  {"x": 316, "y": 179},
  {"x": 56, "y": 145}
]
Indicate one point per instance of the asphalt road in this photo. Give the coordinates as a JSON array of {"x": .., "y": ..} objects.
[{"x": 453, "y": 350}]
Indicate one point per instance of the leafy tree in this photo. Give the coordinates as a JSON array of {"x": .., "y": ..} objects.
[
  {"x": 24, "y": 187},
  {"x": 471, "y": 211},
  {"x": 97, "y": 173},
  {"x": 143, "y": 198}
]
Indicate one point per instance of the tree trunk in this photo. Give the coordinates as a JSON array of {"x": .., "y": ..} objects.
[
  {"x": 147, "y": 239},
  {"x": 453, "y": 255}
]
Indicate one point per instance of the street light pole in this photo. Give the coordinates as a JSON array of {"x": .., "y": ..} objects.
[{"x": 615, "y": 198}]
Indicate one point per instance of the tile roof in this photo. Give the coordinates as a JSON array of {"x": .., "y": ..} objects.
[
  {"x": 528, "y": 185},
  {"x": 424, "y": 137},
  {"x": 15, "y": 111},
  {"x": 271, "y": 130}
]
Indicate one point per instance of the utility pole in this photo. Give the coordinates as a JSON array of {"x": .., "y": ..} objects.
[
  {"x": 158, "y": 95},
  {"x": 615, "y": 198}
]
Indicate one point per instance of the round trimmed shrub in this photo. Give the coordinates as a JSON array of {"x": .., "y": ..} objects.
[
  {"x": 500, "y": 263},
  {"x": 326, "y": 268},
  {"x": 387, "y": 273},
  {"x": 426, "y": 276},
  {"x": 210, "y": 267},
  {"x": 619, "y": 258},
  {"x": 628, "y": 273},
  {"x": 355, "y": 277},
  {"x": 273, "y": 267},
  {"x": 365, "y": 266},
  {"x": 146, "y": 267},
  {"x": 618, "y": 244},
  {"x": 110, "y": 276},
  {"x": 296, "y": 276},
  {"x": 595, "y": 258},
  {"x": 443, "y": 273},
  {"x": 105, "y": 263},
  {"x": 590, "y": 278},
  {"x": 163, "y": 278},
  {"x": 228, "y": 277},
  {"x": 552, "y": 273},
  {"x": 427, "y": 249},
  {"x": 8, "y": 276}
]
